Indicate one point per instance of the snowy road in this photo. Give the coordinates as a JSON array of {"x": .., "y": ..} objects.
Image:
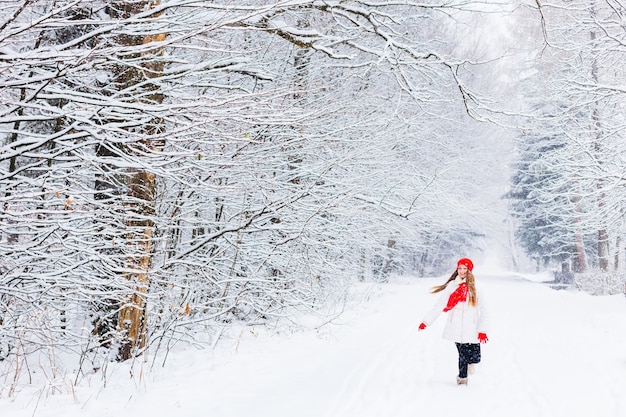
[{"x": 551, "y": 354}]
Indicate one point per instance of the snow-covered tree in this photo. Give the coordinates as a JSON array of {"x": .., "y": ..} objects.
[
  {"x": 168, "y": 165},
  {"x": 573, "y": 149}
]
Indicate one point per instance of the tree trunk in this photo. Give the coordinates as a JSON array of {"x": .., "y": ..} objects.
[
  {"x": 603, "y": 236},
  {"x": 389, "y": 263},
  {"x": 580, "y": 260},
  {"x": 617, "y": 251},
  {"x": 603, "y": 250},
  {"x": 142, "y": 190}
]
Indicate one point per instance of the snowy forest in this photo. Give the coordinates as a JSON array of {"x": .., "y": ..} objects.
[{"x": 169, "y": 168}]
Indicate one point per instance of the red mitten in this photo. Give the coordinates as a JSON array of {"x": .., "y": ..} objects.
[
  {"x": 459, "y": 295},
  {"x": 482, "y": 337},
  {"x": 422, "y": 327}
]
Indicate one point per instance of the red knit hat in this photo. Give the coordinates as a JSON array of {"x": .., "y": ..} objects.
[{"x": 467, "y": 262}]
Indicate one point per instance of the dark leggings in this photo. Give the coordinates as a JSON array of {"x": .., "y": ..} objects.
[{"x": 468, "y": 353}]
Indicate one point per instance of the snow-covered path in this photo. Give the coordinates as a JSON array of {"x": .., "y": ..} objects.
[{"x": 551, "y": 353}]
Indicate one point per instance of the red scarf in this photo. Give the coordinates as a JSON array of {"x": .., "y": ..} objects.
[{"x": 458, "y": 296}]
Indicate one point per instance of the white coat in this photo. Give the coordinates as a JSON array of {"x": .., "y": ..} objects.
[{"x": 464, "y": 321}]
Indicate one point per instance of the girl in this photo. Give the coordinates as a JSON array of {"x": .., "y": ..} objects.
[{"x": 467, "y": 318}]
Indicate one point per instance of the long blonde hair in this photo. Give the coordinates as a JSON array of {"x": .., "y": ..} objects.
[{"x": 471, "y": 286}]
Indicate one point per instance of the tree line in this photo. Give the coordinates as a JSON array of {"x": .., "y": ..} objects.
[
  {"x": 568, "y": 188},
  {"x": 171, "y": 167}
]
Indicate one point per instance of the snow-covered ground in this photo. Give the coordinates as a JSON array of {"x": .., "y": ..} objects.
[{"x": 551, "y": 353}]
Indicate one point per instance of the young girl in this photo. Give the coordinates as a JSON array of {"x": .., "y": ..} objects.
[{"x": 467, "y": 317}]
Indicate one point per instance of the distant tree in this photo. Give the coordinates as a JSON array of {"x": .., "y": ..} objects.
[{"x": 566, "y": 188}]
